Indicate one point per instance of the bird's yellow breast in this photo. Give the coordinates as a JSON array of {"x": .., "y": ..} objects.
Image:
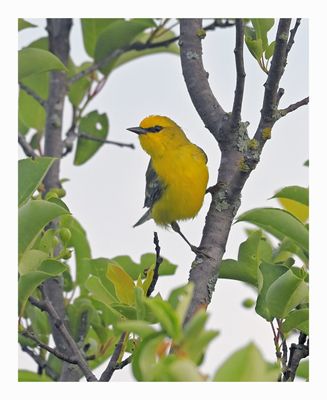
[{"x": 184, "y": 172}]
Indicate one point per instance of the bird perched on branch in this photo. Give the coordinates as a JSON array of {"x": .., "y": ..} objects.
[{"x": 177, "y": 174}]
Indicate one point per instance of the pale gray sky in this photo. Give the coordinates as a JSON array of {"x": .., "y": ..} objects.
[{"x": 106, "y": 194}]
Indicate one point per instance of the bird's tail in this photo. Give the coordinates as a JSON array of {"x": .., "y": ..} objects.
[{"x": 144, "y": 218}]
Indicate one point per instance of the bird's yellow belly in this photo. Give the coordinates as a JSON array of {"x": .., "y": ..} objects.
[{"x": 185, "y": 175}]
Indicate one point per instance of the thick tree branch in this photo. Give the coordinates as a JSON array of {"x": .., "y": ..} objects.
[
  {"x": 27, "y": 148},
  {"x": 297, "y": 352},
  {"x": 196, "y": 78},
  {"x": 58, "y": 33},
  {"x": 239, "y": 156}
]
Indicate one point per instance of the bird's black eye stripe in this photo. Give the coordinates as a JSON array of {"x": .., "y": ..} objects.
[{"x": 155, "y": 128}]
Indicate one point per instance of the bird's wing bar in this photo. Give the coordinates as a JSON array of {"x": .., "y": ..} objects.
[{"x": 154, "y": 187}]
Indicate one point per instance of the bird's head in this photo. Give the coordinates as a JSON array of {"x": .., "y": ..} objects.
[{"x": 158, "y": 134}]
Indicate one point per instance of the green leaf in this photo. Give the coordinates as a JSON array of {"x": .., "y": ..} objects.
[
  {"x": 30, "y": 281},
  {"x": 30, "y": 175},
  {"x": 95, "y": 125},
  {"x": 98, "y": 267},
  {"x": 246, "y": 365},
  {"x": 166, "y": 267},
  {"x": 32, "y": 218},
  {"x": 33, "y": 61},
  {"x": 39, "y": 322},
  {"x": 124, "y": 284},
  {"x": 78, "y": 89},
  {"x": 117, "y": 36},
  {"x": 174, "y": 369},
  {"x": 29, "y": 376},
  {"x": 31, "y": 113},
  {"x": 79, "y": 242},
  {"x": 262, "y": 26},
  {"x": 147, "y": 261},
  {"x": 31, "y": 260},
  {"x": 295, "y": 199},
  {"x": 285, "y": 293},
  {"x": 270, "y": 50},
  {"x": 92, "y": 28},
  {"x": 23, "y": 24},
  {"x": 268, "y": 273},
  {"x": 303, "y": 369},
  {"x": 184, "y": 301},
  {"x": 140, "y": 328},
  {"x": 297, "y": 193},
  {"x": 145, "y": 357},
  {"x": 255, "y": 47},
  {"x": 94, "y": 285},
  {"x": 297, "y": 319},
  {"x": 279, "y": 223},
  {"x": 166, "y": 315},
  {"x": 173, "y": 48},
  {"x": 251, "y": 253}
]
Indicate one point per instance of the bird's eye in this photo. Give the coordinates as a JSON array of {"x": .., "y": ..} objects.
[{"x": 155, "y": 128}]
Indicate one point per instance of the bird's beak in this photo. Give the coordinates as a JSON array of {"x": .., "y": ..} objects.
[{"x": 138, "y": 130}]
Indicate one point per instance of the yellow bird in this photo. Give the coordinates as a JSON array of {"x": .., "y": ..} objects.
[{"x": 177, "y": 174}]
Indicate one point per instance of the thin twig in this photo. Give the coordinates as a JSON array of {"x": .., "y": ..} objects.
[
  {"x": 35, "y": 96},
  {"x": 108, "y": 372},
  {"x": 113, "y": 363},
  {"x": 293, "y": 107},
  {"x": 159, "y": 260},
  {"x": 55, "y": 352},
  {"x": 123, "y": 363},
  {"x": 292, "y": 35},
  {"x": 138, "y": 46},
  {"x": 42, "y": 364},
  {"x": 96, "y": 139},
  {"x": 240, "y": 79},
  {"x": 27, "y": 148},
  {"x": 46, "y": 305}
]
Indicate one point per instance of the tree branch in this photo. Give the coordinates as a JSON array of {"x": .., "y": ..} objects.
[
  {"x": 239, "y": 154},
  {"x": 292, "y": 35},
  {"x": 297, "y": 352},
  {"x": 293, "y": 107},
  {"x": 157, "y": 265},
  {"x": 75, "y": 355},
  {"x": 58, "y": 34},
  {"x": 55, "y": 352},
  {"x": 269, "y": 114},
  {"x": 95, "y": 139},
  {"x": 240, "y": 79},
  {"x": 196, "y": 78},
  {"x": 42, "y": 364},
  {"x": 108, "y": 372},
  {"x": 27, "y": 148}
]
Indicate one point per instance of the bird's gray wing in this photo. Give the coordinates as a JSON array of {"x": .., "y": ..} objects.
[{"x": 153, "y": 191}]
